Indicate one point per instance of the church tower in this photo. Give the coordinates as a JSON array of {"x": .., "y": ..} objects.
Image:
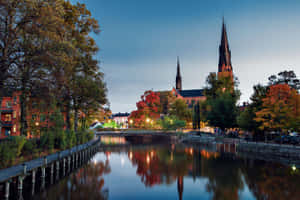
[
  {"x": 225, "y": 68},
  {"x": 178, "y": 76}
]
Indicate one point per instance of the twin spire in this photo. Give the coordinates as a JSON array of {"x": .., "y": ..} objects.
[{"x": 224, "y": 67}]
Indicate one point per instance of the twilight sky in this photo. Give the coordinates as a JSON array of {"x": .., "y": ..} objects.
[{"x": 141, "y": 39}]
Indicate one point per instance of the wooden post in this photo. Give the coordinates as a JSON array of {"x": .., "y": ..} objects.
[
  {"x": 64, "y": 166},
  {"x": 6, "y": 195},
  {"x": 33, "y": 182},
  {"x": 69, "y": 164},
  {"x": 51, "y": 172},
  {"x": 43, "y": 177},
  {"x": 57, "y": 170},
  {"x": 20, "y": 186}
]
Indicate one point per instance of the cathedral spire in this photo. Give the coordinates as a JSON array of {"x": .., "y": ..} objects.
[
  {"x": 178, "y": 76},
  {"x": 224, "y": 53}
]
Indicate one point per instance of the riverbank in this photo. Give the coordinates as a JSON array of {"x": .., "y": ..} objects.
[
  {"x": 17, "y": 149},
  {"x": 59, "y": 164},
  {"x": 259, "y": 150}
]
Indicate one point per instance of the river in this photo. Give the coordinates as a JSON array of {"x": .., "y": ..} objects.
[{"x": 176, "y": 172}]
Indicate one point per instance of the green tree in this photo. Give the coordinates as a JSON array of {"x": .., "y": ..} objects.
[
  {"x": 223, "y": 111},
  {"x": 246, "y": 119},
  {"x": 180, "y": 109},
  {"x": 221, "y": 105}
]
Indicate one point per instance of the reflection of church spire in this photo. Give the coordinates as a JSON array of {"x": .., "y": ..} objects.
[{"x": 180, "y": 186}]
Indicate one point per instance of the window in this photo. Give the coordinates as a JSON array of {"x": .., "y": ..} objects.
[
  {"x": 33, "y": 116},
  {"x": 8, "y": 104},
  {"x": 7, "y": 117},
  {"x": 15, "y": 128},
  {"x": 42, "y": 117},
  {"x": 14, "y": 114}
]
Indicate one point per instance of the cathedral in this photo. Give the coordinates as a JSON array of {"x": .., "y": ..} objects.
[{"x": 224, "y": 70}]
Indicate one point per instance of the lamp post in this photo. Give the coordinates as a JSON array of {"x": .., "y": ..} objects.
[
  {"x": 130, "y": 123},
  {"x": 147, "y": 122}
]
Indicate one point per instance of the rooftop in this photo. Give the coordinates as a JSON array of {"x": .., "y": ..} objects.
[{"x": 191, "y": 93}]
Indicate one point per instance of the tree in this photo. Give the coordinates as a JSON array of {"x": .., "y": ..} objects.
[
  {"x": 223, "y": 111},
  {"x": 285, "y": 77},
  {"x": 47, "y": 53},
  {"x": 222, "y": 97},
  {"x": 148, "y": 110},
  {"x": 246, "y": 119},
  {"x": 180, "y": 109},
  {"x": 280, "y": 109}
]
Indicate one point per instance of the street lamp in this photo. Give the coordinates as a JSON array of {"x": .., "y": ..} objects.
[{"x": 147, "y": 120}]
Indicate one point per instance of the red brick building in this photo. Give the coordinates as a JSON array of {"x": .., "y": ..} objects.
[
  {"x": 10, "y": 115},
  {"x": 38, "y": 114}
]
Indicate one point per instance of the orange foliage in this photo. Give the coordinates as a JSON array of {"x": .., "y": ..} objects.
[
  {"x": 281, "y": 108},
  {"x": 149, "y": 107}
]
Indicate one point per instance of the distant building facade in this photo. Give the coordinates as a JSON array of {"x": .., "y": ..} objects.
[
  {"x": 121, "y": 119},
  {"x": 10, "y": 115},
  {"x": 37, "y": 115}
]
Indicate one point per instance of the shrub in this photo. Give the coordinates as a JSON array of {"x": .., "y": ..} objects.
[
  {"x": 172, "y": 123},
  {"x": 70, "y": 139},
  {"x": 7, "y": 153},
  {"x": 47, "y": 140},
  {"x": 60, "y": 140},
  {"x": 84, "y": 136},
  {"x": 30, "y": 147},
  {"x": 19, "y": 142}
]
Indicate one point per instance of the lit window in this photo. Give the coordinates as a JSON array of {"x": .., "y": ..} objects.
[
  {"x": 7, "y": 117},
  {"x": 15, "y": 128}
]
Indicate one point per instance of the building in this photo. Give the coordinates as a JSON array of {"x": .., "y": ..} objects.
[
  {"x": 121, "y": 119},
  {"x": 37, "y": 115},
  {"x": 193, "y": 96},
  {"x": 224, "y": 67},
  {"x": 10, "y": 115},
  {"x": 224, "y": 70}
]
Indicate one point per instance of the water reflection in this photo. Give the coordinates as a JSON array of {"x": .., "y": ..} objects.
[
  {"x": 86, "y": 183},
  {"x": 177, "y": 172}
]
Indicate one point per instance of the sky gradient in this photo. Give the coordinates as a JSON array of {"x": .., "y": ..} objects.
[{"x": 140, "y": 40}]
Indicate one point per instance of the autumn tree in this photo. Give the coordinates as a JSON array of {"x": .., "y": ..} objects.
[
  {"x": 148, "y": 110},
  {"x": 280, "y": 109},
  {"x": 46, "y": 49}
]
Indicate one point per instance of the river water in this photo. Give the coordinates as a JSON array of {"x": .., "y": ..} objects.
[{"x": 176, "y": 172}]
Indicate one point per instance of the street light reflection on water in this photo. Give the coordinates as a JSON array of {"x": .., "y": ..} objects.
[{"x": 187, "y": 173}]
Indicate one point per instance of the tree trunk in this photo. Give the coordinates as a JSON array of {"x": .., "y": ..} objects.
[{"x": 23, "y": 113}]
